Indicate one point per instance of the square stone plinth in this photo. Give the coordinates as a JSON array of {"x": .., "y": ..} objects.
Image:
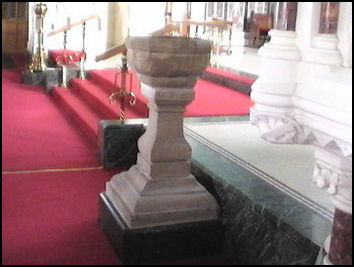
[
  {"x": 49, "y": 78},
  {"x": 117, "y": 143},
  {"x": 34, "y": 78},
  {"x": 153, "y": 244}
]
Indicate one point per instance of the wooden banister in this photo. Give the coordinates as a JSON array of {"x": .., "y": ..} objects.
[
  {"x": 175, "y": 26},
  {"x": 166, "y": 30},
  {"x": 69, "y": 26},
  {"x": 115, "y": 50},
  {"x": 206, "y": 23}
]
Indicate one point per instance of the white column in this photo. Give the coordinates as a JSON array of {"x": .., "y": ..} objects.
[
  {"x": 344, "y": 33},
  {"x": 272, "y": 92},
  {"x": 238, "y": 35}
]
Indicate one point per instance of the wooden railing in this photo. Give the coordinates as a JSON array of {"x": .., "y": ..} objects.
[
  {"x": 207, "y": 23},
  {"x": 83, "y": 56},
  {"x": 116, "y": 50},
  {"x": 175, "y": 26},
  {"x": 69, "y": 26}
]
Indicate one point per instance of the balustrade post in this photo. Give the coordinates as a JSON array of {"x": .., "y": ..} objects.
[
  {"x": 65, "y": 39},
  {"x": 83, "y": 56}
]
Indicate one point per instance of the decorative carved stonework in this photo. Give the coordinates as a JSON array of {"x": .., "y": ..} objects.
[
  {"x": 338, "y": 182},
  {"x": 304, "y": 99},
  {"x": 276, "y": 128}
]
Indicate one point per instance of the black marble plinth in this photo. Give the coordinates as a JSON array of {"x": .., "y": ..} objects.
[
  {"x": 253, "y": 235},
  {"x": 117, "y": 143},
  {"x": 34, "y": 78},
  {"x": 54, "y": 77},
  {"x": 49, "y": 78},
  {"x": 153, "y": 244}
]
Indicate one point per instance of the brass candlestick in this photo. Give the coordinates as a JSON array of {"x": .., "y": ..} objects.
[{"x": 38, "y": 56}]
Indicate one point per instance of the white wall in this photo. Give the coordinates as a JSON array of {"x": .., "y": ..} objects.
[
  {"x": 146, "y": 17},
  {"x": 56, "y": 17},
  {"x": 307, "y": 24},
  {"x": 345, "y": 25}
]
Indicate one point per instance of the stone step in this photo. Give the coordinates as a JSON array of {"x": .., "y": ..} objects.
[
  {"x": 239, "y": 81},
  {"x": 108, "y": 81},
  {"x": 78, "y": 109},
  {"x": 99, "y": 100}
]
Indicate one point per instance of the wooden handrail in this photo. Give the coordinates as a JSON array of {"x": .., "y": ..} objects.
[
  {"x": 115, "y": 50},
  {"x": 166, "y": 30},
  {"x": 206, "y": 23},
  {"x": 174, "y": 26},
  {"x": 69, "y": 26}
]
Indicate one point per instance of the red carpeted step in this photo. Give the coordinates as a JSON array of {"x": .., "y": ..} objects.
[
  {"x": 53, "y": 54},
  {"x": 105, "y": 79},
  {"x": 99, "y": 101},
  {"x": 216, "y": 100},
  {"x": 229, "y": 75},
  {"x": 79, "y": 110},
  {"x": 210, "y": 99}
]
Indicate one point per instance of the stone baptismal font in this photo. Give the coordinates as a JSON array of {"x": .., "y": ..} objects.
[{"x": 159, "y": 194}]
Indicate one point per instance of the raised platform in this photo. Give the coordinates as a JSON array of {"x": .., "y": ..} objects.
[
  {"x": 267, "y": 220},
  {"x": 271, "y": 210}
]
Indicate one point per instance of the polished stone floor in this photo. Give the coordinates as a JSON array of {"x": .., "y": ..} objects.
[{"x": 287, "y": 167}]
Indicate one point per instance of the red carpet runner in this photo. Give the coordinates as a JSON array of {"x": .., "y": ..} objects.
[
  {"x": 36, "y": 133},
  {"x": 87, "y": 100}
]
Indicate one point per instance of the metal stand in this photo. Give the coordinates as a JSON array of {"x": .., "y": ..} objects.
[{"x": 122, "y": 93}]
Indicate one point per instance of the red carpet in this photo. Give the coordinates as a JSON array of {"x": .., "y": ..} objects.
[
  {"x": 230, "y": 75},
  {"x": 87, "y": 100},
  {"x": 51, "y": 218},
  {"x": 216, "y": 100},
  {"x": 36, "y": 133},
  {"x": 210, "y": 99}
]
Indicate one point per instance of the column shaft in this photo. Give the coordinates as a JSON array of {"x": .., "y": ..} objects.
[
  {"x": 340, "y": 252},
  {"x": 329, "y": 17},
  {"x": 285, "y": 17}
]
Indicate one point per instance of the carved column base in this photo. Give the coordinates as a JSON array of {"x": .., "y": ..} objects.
[
  {"x": 325, "y": 51},
  {"x": 272, "y": 91}
]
